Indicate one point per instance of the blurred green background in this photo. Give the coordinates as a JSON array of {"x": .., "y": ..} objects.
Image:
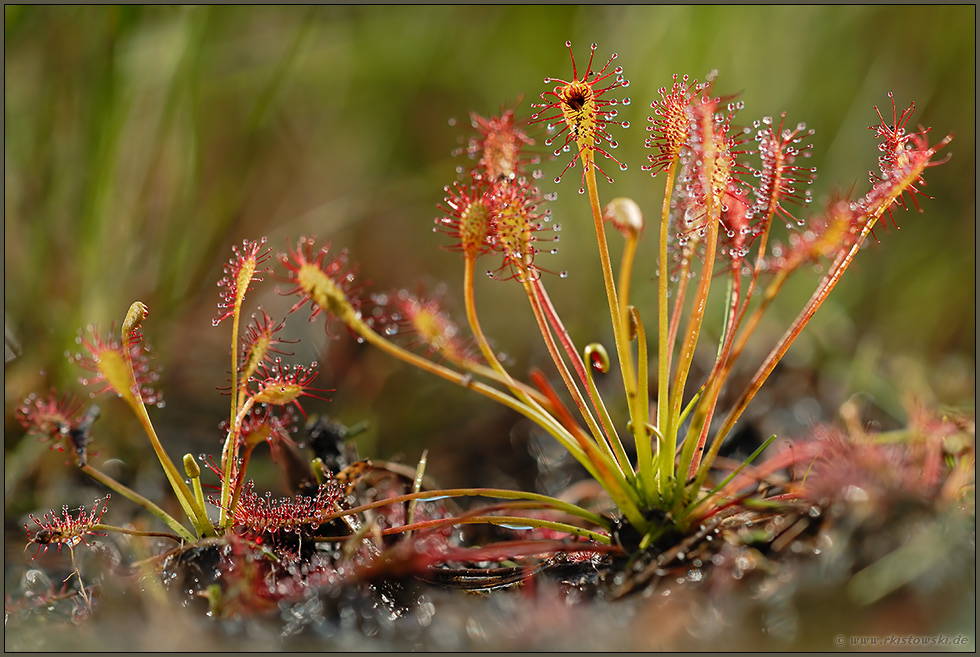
[{"x": 142, "y": 142}]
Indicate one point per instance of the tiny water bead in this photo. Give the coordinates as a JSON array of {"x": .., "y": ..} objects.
[
  {"x": 36, "y": 582},
  {"x": 515, "y": 526}
]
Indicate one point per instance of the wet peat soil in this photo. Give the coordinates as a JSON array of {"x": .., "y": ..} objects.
[{"x": 875, "y": 567}]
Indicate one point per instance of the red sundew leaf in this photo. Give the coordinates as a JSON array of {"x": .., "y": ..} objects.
[
  {"x": 240, "y": 272},
  {"x": 584, "y": 115},
  {"x": 66, "y": 530}
]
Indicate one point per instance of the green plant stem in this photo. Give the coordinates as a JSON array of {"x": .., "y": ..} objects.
[
  {"x": 240, "y": 481},
  {"x": 135, "y": 401},
  {"x": 665, "y": 458},
  {"x": 622, "y": 347},
  {"x": 416, "y": 487},
  {"x": 229, "y": 453},
  {"x": 637, "y": 385},
  {"x": 640, "y": 412},
  {"x": 198, "y": 491},
  {"x": 506, "y": 521},
  {"x": 229, "y": 504},
  {"x": 193, "y": 472},
  {"x": 585, "y": 451},
  {"x": 600, "y": 439},
  {"x": 498, "y": 493},
  {"x": 236, "y": 394},
  {"x": 734, "y": 473},
  {"x": 704, "y": 411},
  {"x": 687, "y": 353},
  {"x": 680, "y": 297},
  {"x": 561, "y": 411},
  {"x": 489, "y": 373},
  {"x": 625, "y": 276},
  {"x": 526, "y": 398},
  {"x": 133, "y": 496},
  {"x": 729, "y": 352},
  {"x": 580, "y": 368},
  {"x": 136, "y": 532},
  {"x": 500, "y": 373},
  {"x": 194, "y": 512},
  {"x": 616, "y": 446},
  {"x": 620, "y": 330},
  {"x": 772, "y": 290},
  {"x": 827, "y": 285},
  {"x": 622, "y": 295},
  {"x": 770, "y": 293},
  {"x": 719, "y": 374},
  {"x": 693, "y": 330}
]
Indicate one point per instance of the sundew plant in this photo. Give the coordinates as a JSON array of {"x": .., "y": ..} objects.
[{"x": 735, "y": 223}]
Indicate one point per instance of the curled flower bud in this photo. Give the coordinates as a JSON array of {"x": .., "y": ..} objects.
[
  {"x": 583, "y": 114},
  {"x": 191, "y": 468},
  {"x": 625, "y": 215},
  {"x": 597, "y": 357},
  {"x": 131, "y": 324}
]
